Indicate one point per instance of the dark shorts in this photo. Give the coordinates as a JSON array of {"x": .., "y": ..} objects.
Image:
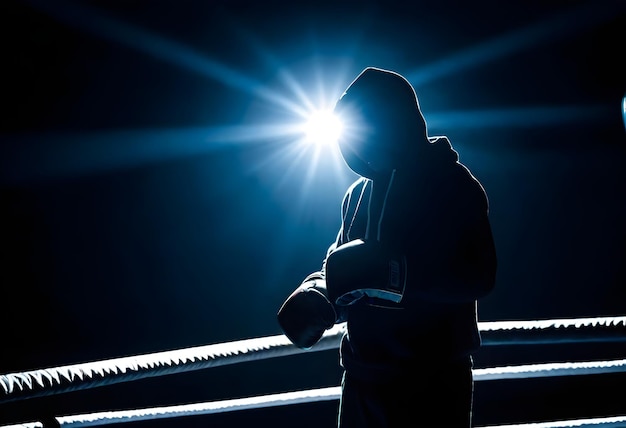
[{"x": 428, "y": 396}]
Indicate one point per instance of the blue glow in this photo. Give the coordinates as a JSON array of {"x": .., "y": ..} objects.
[
  {"x": 96, "y": 22},
  {"x": 516, "y": 117},
  {"x": 508, "y": 44},
  {"x": 624, "y": 110},
  {"x": 77, "y": 153},
  {"x": 290, "y": 102},
  {"x": 279, "y": 108}
]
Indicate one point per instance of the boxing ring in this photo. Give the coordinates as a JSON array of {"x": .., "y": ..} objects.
[{"x": 59, "y": 380}]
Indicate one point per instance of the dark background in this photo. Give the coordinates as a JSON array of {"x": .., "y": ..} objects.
[{"x": 144, "y": 208}]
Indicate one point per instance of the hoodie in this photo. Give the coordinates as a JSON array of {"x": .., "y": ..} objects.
[{"x": 420, "y": 201}]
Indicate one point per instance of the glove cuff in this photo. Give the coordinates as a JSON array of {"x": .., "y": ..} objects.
[{"x": 360, "y": 269}]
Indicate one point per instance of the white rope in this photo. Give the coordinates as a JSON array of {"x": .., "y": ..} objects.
[
  {"x": 600, "y": 329},
  {"x": 333, "y": 393},
  {"x": 551, "y": 324},
  {"x": 16, "y": 386},
  {"x": 281, "y": 399},
  {"x": 609, "y": 422},
  {"x": 97, "y": 419},
  {"x": 25, "y": 425},
  {"x": 550, "y": 369},
  {"x": 74, "y": 377}
]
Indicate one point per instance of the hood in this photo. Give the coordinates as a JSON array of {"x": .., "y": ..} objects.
[{"x": 382, "y": 120}]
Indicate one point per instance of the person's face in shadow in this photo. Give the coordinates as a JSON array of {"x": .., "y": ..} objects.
[{"x": 371, "y": 141}]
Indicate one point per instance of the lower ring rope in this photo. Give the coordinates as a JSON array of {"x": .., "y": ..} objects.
[
  {"x": 25, "y": 425},
  {"x": 23, "y": 385},
  {"x": 98, "y": 419},
  {"x": 550, "y": 369},
  {"x": 281, "y": 399},
  {"x": 334, "y": 393}
]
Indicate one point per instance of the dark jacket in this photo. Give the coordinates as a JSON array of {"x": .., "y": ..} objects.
[{"x": 431, "y": 209}]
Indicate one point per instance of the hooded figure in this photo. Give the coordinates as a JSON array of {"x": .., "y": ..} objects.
[{"x": 412, "y": 257}]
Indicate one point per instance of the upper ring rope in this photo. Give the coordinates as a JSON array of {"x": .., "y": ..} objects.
[{"x": 23, "y": 385}]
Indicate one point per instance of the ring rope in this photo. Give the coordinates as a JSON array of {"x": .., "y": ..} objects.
[
  {"x": 550, "y": 369},
  {"x": 334, "y": 393},
  {"x": 74, "y": 377},
  {"x": 280, "y": 399},
  {"x": 34, "y": 383},
  {"x": 329, "y": 393},
  {"x": 599, "y": 329},
  {"x": 25, "y": 425},
  {"x": 608, "y": 422}
]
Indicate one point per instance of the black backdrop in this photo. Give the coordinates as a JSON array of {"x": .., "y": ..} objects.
[{"x": 125, "y": 232}]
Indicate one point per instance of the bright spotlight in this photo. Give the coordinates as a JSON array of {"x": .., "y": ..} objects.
[{"x": 322, "y": 128}]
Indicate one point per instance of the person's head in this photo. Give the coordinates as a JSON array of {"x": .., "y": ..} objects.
[{"x": 383, "y": 122}]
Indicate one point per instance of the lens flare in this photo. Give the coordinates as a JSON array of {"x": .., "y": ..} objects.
[{"x": 322, "y": 128}]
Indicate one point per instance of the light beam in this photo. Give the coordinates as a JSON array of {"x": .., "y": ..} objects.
[{"x": 322, "y": 127}]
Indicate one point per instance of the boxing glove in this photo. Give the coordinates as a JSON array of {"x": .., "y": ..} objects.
[
  {"x": 307, "y": 313},
  {"x": 365, "y": 270}
]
